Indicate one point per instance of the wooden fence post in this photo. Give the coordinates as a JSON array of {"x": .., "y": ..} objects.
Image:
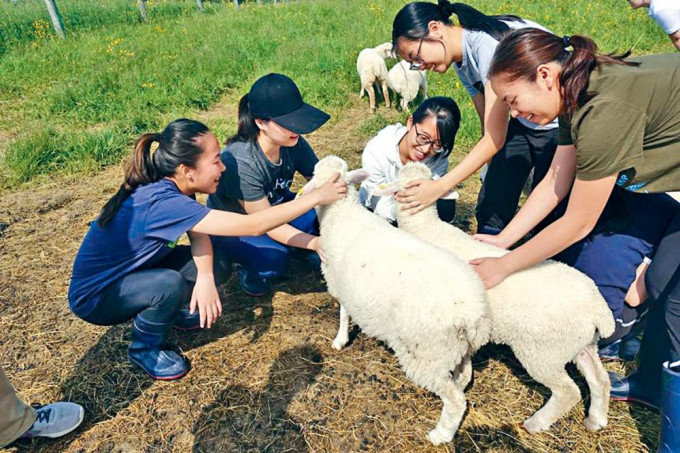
[
  {"x": 142, "y": 10},
  {"x": 56, "y": 18}
]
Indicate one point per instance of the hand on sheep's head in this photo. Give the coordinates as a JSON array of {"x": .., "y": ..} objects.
[{"x": 332, "y": 190}]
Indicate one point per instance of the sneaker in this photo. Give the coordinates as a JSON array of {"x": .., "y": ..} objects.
[
  {"x": 252, "y": 284},
  {"x": 625, "y": 350},
  {"x": 186, "y": 322},
  {"x": 55, "y": 420},
  {"x": 633, "y": 389}
]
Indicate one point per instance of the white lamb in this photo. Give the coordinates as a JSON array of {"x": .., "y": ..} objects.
[
  {"x": 549, "y": 314},
  {"x": 423, "y": 302},
  {"x": 406, "y": 83},
  {"x": 372, "y": 68}
]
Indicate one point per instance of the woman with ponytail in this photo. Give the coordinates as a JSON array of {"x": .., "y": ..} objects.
[
  {"x": 424, "y": 34},
  {"x": 129, "y": 265},
  {"x": 619, "y": 137},
  {"x": 261, "y": 160}
]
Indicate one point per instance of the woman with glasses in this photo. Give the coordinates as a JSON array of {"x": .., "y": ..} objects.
[
  {"x": 424, "y": 34},
  {"x": 428, "y": 137}
]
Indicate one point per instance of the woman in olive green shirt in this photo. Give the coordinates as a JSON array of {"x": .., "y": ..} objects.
[{"x": 619, "y": 129}]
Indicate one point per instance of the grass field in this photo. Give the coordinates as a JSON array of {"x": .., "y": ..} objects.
[{"x": 265, "y": 377}]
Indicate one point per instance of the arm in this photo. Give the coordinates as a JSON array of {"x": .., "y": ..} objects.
[
  {"x": 478, "y": 101},
  {"x": 285, "y": 234},
  {"x": 675, "y": 39},
  {"x": 543, "y": 199},
  {"x": 223, "y": 223},
  {"x": 204, "y": 295},
  {"x": 422, "y": 193},
  {"x": 586, "y": 203},
  {"x": 374, "y": 160}
]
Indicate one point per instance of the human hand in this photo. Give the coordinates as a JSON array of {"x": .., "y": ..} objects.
[
  {"x": 492, "y": 239},
  {"x": 206, "y": 298},
  {"x": 491, "y": 271},
  {"x": 315, "y": 244},
  {"x": 419, "y": 194},
  {"x": 334, "y": 189}
]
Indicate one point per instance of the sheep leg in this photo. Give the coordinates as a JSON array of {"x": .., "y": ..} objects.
[
  {"x": 362, "y": 91},
  {"x": 590, "y": 366},
  {"x": 371, "y": 97},
  {"x": 404, "y": 104},
  {"x": 463, "y": 373},
  {"x": 454, "y": 407},
  {"x": 386, "y": 94},
  {"x": 424, "y": 90},
  {"x": 565, "y": 395},
  {"x": 342, "y": 338}
]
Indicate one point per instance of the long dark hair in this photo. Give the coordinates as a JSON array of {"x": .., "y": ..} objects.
[
  {"x": 247, "y": 128},
  {"x": 447, "y": 113},
  {"x": 522, "y": 51},
  {"x": 411, "y": 21},
  {"x": 176, "y": 145}
]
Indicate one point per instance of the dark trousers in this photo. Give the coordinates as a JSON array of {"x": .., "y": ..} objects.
[
  {"x": 158, "y": 292},
  {"x": 262, "y": 255},
  {"x": 631, "y": 228},
  {"x": 508, "y": 170},
  {"x": 661, "y": 340}
]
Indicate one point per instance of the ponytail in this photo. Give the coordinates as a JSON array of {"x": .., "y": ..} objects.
[
  {"x": 521, "y": 52},
  {"x": 247, "y": 128},
  {"x": 156, "y": 156},
  {"x": 411, "y": 21}
]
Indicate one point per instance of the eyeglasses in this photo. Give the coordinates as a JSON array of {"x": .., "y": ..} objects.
[
  {"x": 417, "y": 62},
  {"x": 425, "y": 141}
]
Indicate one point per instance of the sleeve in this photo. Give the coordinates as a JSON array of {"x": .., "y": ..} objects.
[
  {"x": 472, "y": 91},
  {"x": 484, "y": 56},
  {"x": 371, "y": 162},
  {"x": 172, "y": 215},
  {"x": 564, "y": 133},
  {"x": 608, "y": 136},
  {"x": 668, "y": 18},
  {"x": 305, "y": 159}
]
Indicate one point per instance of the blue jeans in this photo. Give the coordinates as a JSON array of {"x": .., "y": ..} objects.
[
  {"x": 262, "y": 255},
  {"x": 629, "y": 230}
]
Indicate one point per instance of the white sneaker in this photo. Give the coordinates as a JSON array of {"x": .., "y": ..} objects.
[{"x": 55, "y": 420}]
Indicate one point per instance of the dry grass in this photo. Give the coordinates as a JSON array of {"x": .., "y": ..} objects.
[{"x": 265, "y": 378}]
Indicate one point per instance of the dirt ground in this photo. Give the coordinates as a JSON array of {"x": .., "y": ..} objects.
[{"x": 265, "y": 378}]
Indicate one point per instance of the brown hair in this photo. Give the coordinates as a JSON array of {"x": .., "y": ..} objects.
[
  {"x": 521, "y": 52},
  {"x": 176, "y": 145}
]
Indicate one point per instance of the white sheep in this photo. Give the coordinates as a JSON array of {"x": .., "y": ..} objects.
[
  {"x": 406, "y": 83},
  {"x": 424, "y": 303},
  {"x": 549, "y": 314},
  {"x": 371, "y": 68}
]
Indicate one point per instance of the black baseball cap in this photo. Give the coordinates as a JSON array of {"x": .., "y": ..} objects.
[{"x": 276, "y": 97}]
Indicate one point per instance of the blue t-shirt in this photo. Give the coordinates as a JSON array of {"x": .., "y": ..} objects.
[{"x": 143, "y": 232}]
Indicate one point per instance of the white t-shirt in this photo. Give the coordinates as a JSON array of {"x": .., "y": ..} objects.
[
  {"x": 666, "y": 13},
  {"x": 478, "y": 48},
  {"x": 381, "y": 159}
]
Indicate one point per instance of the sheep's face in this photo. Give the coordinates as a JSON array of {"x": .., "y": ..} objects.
[
  {"x": 413, "y": 171},
  {"x": 326, "y": 167},
  {"x": 385, "y": 50}
]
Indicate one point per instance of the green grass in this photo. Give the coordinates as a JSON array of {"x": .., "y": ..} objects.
[{"x": 78, "y": 104}]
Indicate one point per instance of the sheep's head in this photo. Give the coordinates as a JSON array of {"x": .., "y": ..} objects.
[
  {"x": 328, "y": 166},
  {"x": 413, "y": 171},
  {"x": 385, "y": 50}
]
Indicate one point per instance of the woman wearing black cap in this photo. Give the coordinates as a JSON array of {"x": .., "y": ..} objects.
[{"x": 261, "y": 160}]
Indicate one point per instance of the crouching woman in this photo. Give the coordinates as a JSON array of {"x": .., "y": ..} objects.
[{"x": 129, "y": 265}]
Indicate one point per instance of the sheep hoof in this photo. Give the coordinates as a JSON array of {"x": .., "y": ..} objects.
[
  {"x": 339, "y": 343},
  {"x": 535, "y": 425},
  {"x": 594, "y": 424},
  {"x": 439, "y": 436}
]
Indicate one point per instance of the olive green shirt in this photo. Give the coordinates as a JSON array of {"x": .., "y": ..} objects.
[{"x": 631, "y": 126}]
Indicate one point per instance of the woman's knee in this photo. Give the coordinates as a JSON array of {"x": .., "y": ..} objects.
[{"x": 170, "y": 290}]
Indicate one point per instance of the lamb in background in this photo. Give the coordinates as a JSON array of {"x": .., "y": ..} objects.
[
  {"x": 371, "y": 68},
  {"x": 406, "y": 83},
  {"x": 424, "y": 303},
  {"x": 549, "y": 314}
]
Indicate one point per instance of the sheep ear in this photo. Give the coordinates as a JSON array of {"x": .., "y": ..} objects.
[
  {"x": 386, "y": 190},
  {"x": 356, "y": 176},
  {"x": 450, "y": 195}
]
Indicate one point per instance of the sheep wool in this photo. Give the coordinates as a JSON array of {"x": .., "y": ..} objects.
[
  {"x": 423, "y": 302},
  {"x": 406, "y": 83},
  {"x": 549, "y": 314},
  {"x": 372, "y": 69}
]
